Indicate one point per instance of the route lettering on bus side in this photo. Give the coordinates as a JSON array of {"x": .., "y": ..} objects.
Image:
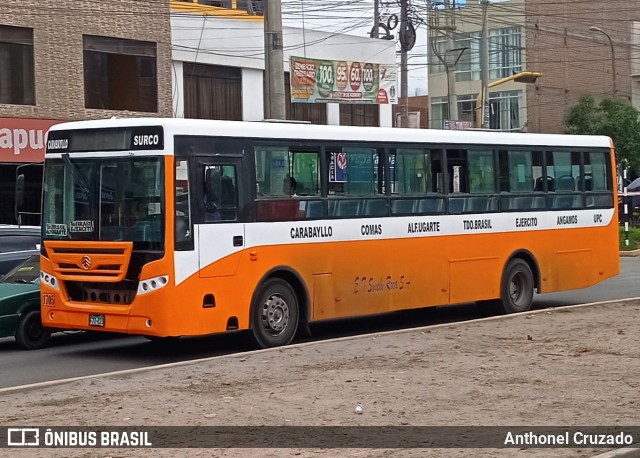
[
  {"x": 475, "y": 224},
  {"x": 311, "y": 232},
  {"x": 423, "y": 226},
  {"x": 565, "y": 220},
  {"x": 526, "y": 222},
  {"x": 371, "y": 229}
]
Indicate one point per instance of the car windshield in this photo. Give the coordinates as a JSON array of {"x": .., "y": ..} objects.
[{"x": 27, "y": 272}]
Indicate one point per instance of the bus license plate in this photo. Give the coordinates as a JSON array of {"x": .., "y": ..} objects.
[{"x": 96, "y": 320}]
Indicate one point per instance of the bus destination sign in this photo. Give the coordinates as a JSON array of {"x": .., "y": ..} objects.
[{"x": 112, "y": 139}]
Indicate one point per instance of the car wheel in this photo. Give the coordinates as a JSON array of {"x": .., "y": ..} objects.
[{"x": 31, "y": 334}]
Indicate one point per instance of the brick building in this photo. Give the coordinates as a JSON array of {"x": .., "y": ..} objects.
[
  {"x": 577, "y": 61},
  {"x": 553, "y": 38},
  {"x": 123, "y": 43},
  {"x": 418, "y": 110},
  {"x": 75, "y": 59}
]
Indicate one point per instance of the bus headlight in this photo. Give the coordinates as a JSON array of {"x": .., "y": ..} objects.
[
  {"x": 49, "y": 280},
  {"x": 152, "y": 284}
]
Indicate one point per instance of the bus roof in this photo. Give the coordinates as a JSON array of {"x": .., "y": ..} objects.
[{"x": 286, "y": 130}]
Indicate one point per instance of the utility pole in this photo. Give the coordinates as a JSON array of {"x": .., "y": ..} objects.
[
  {"x": 376, "y": 19},
  {"x": 449, "y": 66},
  {"x": 274, "y": 106},
  {"x": 484, "y": 65},
  {"x": 404, "y": 78}
]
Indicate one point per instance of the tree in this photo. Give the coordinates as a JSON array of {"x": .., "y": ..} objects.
[{"x": 614, "y": 118}]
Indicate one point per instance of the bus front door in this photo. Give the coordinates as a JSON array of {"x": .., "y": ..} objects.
[{"x": 221, "y": 233}]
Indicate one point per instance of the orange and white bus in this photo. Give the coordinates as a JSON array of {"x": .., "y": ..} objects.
[{"x": 175, "y": 227}]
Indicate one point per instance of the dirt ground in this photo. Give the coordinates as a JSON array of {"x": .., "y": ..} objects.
[{"x": 575, "y": 366}]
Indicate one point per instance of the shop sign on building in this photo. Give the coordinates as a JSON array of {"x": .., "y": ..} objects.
[
  {"x": 450, "y": 124},
  {"x": 23, "y": 139},
  {"x": 328, "y": 81}
]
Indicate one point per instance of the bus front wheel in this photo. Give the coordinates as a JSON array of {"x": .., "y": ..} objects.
[
  {"x": 275, "y": 314},
  {"x": 517, "y": 287}
]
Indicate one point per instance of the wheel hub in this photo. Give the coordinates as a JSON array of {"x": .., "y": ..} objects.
[
  {"x": 35, "y": 331},
  {"x": 275, "y": 314},
  {"x": 515, "y": 288}
]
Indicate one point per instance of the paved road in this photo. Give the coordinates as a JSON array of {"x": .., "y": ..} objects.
[{"x": 81, "y": 354}]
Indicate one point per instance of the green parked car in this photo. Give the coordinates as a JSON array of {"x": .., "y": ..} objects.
[{"x": 20, "y": 305}]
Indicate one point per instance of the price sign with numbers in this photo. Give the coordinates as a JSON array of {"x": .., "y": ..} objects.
[{"x": 326, "y": 81}]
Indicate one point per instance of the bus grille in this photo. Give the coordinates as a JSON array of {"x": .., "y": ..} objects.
[
  {"x": 89, "y": 261},
  {"x": 121, "y": 293}
]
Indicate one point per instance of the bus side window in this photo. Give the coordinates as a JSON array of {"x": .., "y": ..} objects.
[
  {"x": 284, "y": 171},
  {"x": 597, "y": 180},
  {"x": 355, "y": 172},
  {"x": 413, "y": 181},
  {"x": 457, "y": 171},
  {"x": 410, "y": 171},
  {"x": 305, "y": 177},
  {"x": 482, "y": 173}
]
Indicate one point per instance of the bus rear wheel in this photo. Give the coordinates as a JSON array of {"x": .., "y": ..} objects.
[
  {"x": 275, "y": 313},
  {"x": 517, "y": 287}
]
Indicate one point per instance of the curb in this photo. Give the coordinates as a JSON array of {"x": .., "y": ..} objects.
[
  {"x": 619, "y": 453},
  {"x": 627, "y": 254}
]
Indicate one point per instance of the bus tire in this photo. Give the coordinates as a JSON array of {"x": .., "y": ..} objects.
[
  {"x": 275, "y": 313},
  {"x": 517, "y": 287},
  {"x": 31, "y": 334}
]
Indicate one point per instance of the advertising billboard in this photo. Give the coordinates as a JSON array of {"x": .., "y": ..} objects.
[{"x": 328, "y": 81}]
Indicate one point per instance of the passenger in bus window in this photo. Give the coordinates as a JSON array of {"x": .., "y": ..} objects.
[
  {"x": 211, "y": 201},
  {"x": 134, "y": 213},
  {"x": 182, "y": 229},
  {"x": 211, "y": 210},
  {"x": 289, "y": 186},
  {"x": 228, "y": 198},
  {"x": 227, "y": 192}
]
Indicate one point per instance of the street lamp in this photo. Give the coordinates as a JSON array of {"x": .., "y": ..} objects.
[
  {"x": 522, "y": 77},
  {"x": 593, "y": 28}
]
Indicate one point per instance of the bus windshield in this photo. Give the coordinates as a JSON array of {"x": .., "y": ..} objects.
[{"x": 105, "y": 199}]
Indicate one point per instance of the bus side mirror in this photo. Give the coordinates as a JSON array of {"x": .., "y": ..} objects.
[{"x": 19, "y": 196}]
